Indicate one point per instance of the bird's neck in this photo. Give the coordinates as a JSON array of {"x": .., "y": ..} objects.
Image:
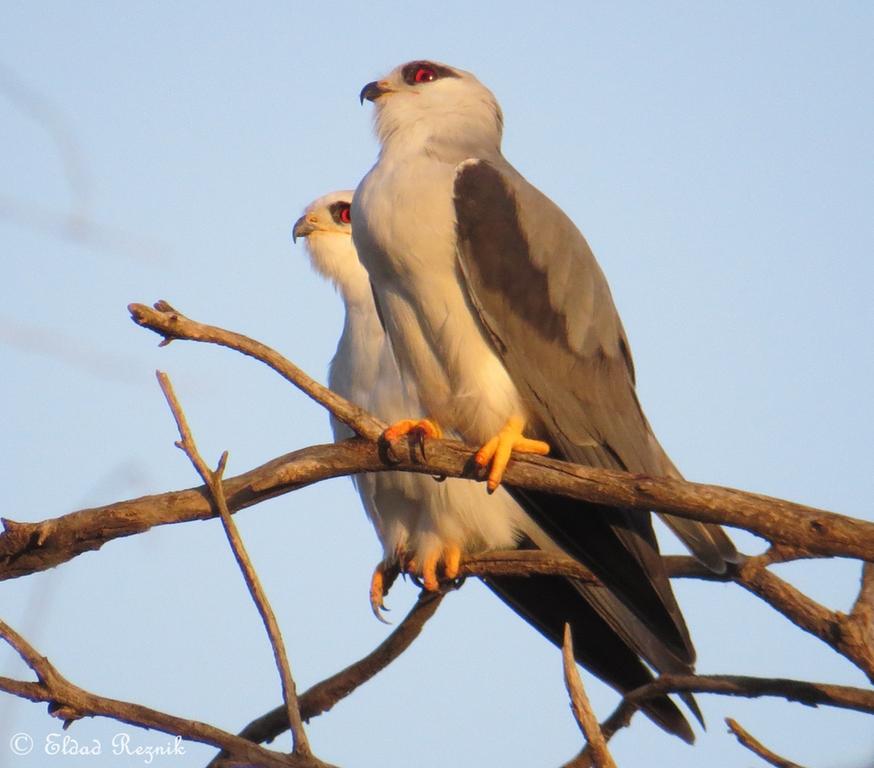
[
  {"x": 358, "y": 296},
  {"x": 362, "y": 320},
  {"x": 355, "y": 364},
  {"x": 449, "y": 142}
]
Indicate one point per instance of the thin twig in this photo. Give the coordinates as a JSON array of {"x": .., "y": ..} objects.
[
  {"x": 213, "y": 480},
  {"x": 860, "y": 622},
  {"x": 864, "y": 605},
  {"x": 806, "y": 528},
  {"x": 620, "y": 718},
  {"x": 756, "y": 747},
  {"x": 848, "y": 635},
  {"x": 172, "y": 324},
  {"x": 39, "y": 664},
  {"x": 581, "y": 707},
  {"x": 70, "y": 702},
  {"x": 27, "y": 548},
  {"x": 799, "y": 691},
  {"x": 324, "y": 695}
]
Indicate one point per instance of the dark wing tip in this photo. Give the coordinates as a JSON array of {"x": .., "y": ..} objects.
[
  {"x": 547, "y": 602},
  {"x": 708, "y": 542}
]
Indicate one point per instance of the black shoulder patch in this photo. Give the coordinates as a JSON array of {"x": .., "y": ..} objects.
[{"x": 495, "y": 250}]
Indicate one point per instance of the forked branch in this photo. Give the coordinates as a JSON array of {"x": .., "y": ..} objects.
[
  {"x": 324, "y": 695},
  {"x": 793, "y": 531},
  {"x": 800, "y": 691},
  {"x": 213, "y": 481},
  {"x": 69, "y": 702}
]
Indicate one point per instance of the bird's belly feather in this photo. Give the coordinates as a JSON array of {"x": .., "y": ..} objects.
[{"x": 409, "y": 247}]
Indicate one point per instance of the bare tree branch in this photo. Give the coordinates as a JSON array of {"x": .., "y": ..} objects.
[
  {"x": 69, "y": 702},
  {"x": 620, "y": 718},
  {"x": 213, "y": 481},
  {"x": 845, "y": 634},
  {"x": 581, "y": 707},
  {"x": 756, "y": 747},
  {"x": 811, "y": 694},
  {"x": 794, "y": 531},
  {"x": 813, "y": 530},
  {"x": 848, "y": 635},
  {"x": 29, "y": 547},
  {"x": 857, "y": 628},
  {"x": 863, "y": 608},
  {"x": 800, "y": 691},
  {"x": 324, "y": 695},
  {"x": 172, "y": 324}
]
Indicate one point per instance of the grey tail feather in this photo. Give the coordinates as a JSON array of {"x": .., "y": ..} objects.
[
  {"x": 638, "y": 637},
  {"x": 619, "y": 546},
  {"x": 707, "y": 542},
  {"x": 689, "y": 700},
  {"x": 547, "y": 602}
]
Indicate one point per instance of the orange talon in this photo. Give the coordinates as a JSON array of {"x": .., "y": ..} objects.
[
  {"x": 449, "y": 556},
  {"x": 452, "y": 561},
  {"x": 429, "y": 573},
  {"x": 499, "y": 449},
  {"x": 427, "y": 427},
  {"x": 377, "y": 592}
]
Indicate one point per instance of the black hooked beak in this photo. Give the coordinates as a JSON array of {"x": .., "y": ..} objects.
[
  {"x": 302, "y": 228},
  {"x": 372, "y": 91}
]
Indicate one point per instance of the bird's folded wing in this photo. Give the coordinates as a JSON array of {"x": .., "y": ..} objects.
[{"x": 543, "y": 299}]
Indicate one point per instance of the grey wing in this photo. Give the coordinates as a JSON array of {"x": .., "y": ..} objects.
[{"x": 543, "y": 299}]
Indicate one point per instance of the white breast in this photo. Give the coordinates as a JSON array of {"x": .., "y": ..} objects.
[
  {"x": 411, "y": 513},
  {"x": 405, "y": 234}
]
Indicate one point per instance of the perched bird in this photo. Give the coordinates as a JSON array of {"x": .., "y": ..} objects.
[
  {"x": 404, "y": 508},
  {"x": 414, "y": 515},
  {"x": 498, "y": 313}
]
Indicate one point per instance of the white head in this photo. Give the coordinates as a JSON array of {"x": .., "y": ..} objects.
[
  {"x": 428, "y": 103},
  {"x": 327, "y": 226}
]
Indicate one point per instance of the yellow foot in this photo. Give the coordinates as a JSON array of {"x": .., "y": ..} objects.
[
  {"x": 498, "y": 450},
  {"x": 450, "y": 556},
  {"x": 417, "y": 429},
  {"x": 385, "y": 574},
  {"x": 425, "y": 427},
  {"x": 380, "y": 583},
  {"x": 451, "y": 561}
]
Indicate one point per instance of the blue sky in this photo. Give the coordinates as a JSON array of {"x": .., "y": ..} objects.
[{"x": 717, "y": 156}]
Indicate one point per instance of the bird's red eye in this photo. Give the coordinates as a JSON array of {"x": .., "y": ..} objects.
[
  {"x": 418, "y": 72},
  {"x": 346, "y": 214}
]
